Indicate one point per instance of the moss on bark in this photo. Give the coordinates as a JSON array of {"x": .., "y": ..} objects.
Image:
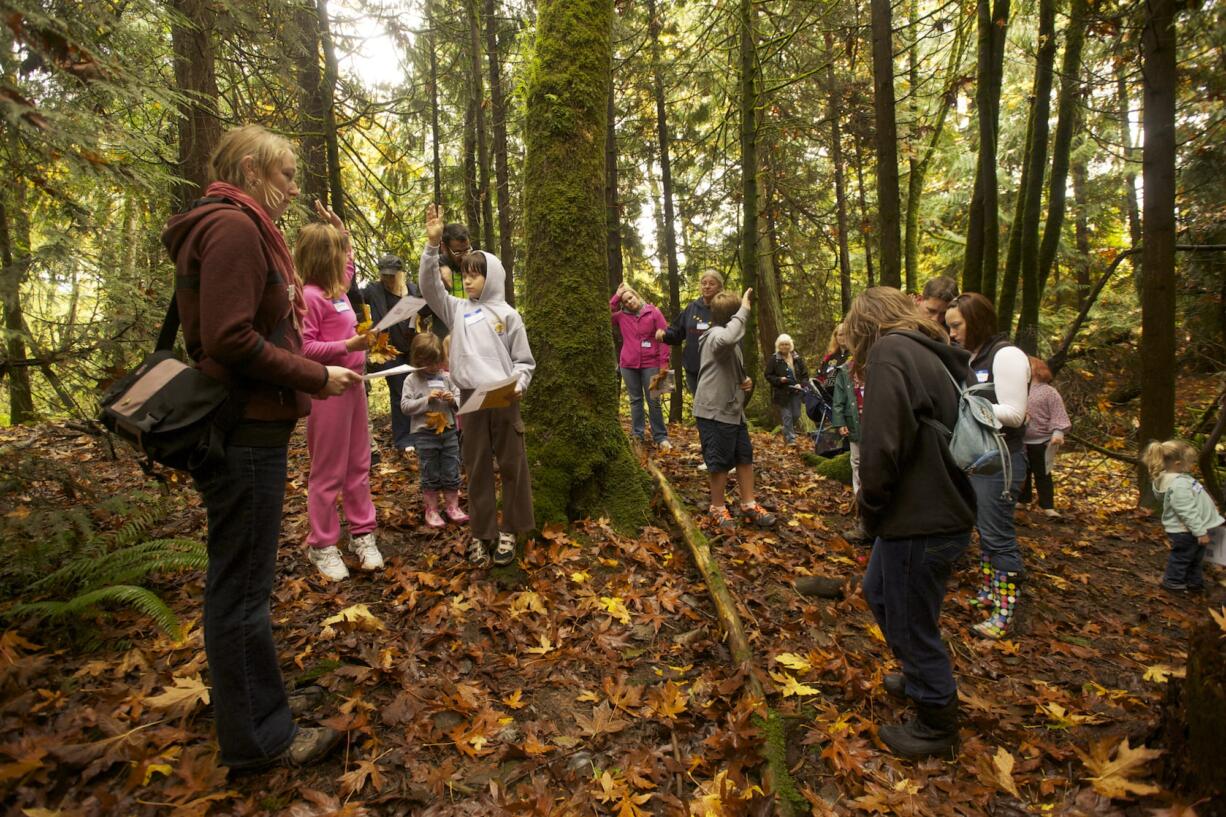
[{"x": 581, "y": 461}]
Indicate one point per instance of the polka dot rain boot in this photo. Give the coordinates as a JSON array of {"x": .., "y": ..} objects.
[
  {"x": 1006, "y": 590},
  {"x": 986, "y": 598}
]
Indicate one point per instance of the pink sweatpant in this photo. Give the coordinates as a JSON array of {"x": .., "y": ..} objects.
[{"x": 339, "y": 441}]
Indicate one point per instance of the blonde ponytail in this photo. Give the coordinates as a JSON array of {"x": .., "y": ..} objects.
[{"x": 1158, "y": 457}]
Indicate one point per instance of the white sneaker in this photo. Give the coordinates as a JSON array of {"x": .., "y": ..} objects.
[
  {"x": 364, "y": 548},
  {"x": 665, "y": 445},
  {"x": 329, "y": 562},
  {"x": 477, "y": 553},
  {"x": 1052, "y": 512},
  {"x": 504, "y": 552}
]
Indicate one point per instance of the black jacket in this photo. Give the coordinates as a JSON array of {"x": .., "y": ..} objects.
[
  {"x": 401, "y": 335},
  {"x": 690, "y": 325},
  {"x": 909, "y": 484},
  {"x": 775, "y": 370}
]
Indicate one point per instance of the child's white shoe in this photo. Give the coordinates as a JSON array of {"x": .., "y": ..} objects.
[
  {"x": 329, "y": 562},
  {"x": 477, "y": 553},
  {"x": 364, "y": 548},
  {"x": 504, "y": 552}
]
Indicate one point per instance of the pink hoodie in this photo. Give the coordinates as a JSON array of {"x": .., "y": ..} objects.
[
  {"x": 329, "y": 322},
  {"x": 640, "y": 349}
]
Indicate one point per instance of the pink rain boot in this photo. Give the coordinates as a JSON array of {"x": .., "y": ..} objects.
[
  {"x": 453, "y": 510},
  {"x": 430, "y": 500}
]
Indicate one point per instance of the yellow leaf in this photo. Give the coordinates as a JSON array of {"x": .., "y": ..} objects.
[
  {"x": 546, "y": 647},
  {"x": 356, "y": 617},
  {"x": 1220, "y": 618},
  {"x": 615, "y": 607},
  {"x": 875, "y": 631},
  {"x": 790, "y": 686},
  {"x": 527, "y": 602},
  {"x": 1111, "y": 774},
  {"x": 793, "y": 662},
  {"x": 515, "y": 700},
  {"x": 437, "y": 422},
  {"x": 579, "y": 577},
  {"x": 182, "y": 698},
  {"x": 587, "y": 696},
  {"x": 157, "y": 768},
  {"x": 1158, "y": 673},
  {"x": 1003, "y": 763},
  {"x": 1061, "y": 718},
  {"x": 533, "y": 746}
]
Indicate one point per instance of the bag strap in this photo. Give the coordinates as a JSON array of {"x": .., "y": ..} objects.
[{"x": 170, "y": 324}]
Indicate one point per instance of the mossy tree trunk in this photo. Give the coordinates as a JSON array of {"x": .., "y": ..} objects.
[
  {"x": 834, "y": 112},
  {"x": 887, "y": 143},
  {"x": 498, "y": 122},
  {"x": 1194, "y": 723},
  {"x": 581, "y": 461},
  {"x": 749, "y": 170},
  {"x": 196, "y": 79}
]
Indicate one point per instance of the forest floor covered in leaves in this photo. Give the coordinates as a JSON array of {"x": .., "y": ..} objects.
[{"x": 591, "y": 678}]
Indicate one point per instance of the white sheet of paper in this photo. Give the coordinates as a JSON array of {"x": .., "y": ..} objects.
[
  {"x": 395, "y": 370},
  {"x": 498, "y": 391},
  {"x": 1216, "y": 552},
  {"x": 405, "y": 308},
  {"x": 1049, "y": 458}
]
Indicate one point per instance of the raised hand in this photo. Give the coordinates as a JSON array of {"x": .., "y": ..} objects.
[
  {"x": 326, "y": 214},
  {"x": 746, "y": 301},
  {"x": 434, "y": 224}
]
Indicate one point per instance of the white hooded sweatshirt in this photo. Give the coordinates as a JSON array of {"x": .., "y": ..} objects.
[{"x": 488, "y": 339}]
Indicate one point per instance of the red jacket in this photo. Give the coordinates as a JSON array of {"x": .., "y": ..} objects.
[
  {"x": 640, "y": 349},
  {"x": 235, "y": 311}
]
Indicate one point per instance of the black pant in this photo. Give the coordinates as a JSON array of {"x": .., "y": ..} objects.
[
  {"x": 904, "y": 586},
  {"x": 243, "y": 497},
  {"x": 1036, "y": 468},
  {"x": 1185, "y": 566}
]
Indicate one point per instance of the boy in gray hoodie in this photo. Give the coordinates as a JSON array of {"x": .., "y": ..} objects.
[
  {"x": 719, "y": 410},
  {"x": 488, "y": 344}
]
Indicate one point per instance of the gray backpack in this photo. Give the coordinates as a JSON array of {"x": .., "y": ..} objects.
[{"x": 976, "y": 442}]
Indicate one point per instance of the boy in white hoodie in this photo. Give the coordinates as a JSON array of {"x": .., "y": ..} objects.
[{"x": 488, "y": 345}]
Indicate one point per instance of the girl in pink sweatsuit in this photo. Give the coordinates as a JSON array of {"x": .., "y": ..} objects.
[{"x": 337, "y": 432}]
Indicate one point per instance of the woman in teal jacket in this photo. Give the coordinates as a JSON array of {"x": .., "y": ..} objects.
[{"x": 845, "y": 416}]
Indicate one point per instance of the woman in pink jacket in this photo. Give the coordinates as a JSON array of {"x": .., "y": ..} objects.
[
  {"x": 642, "y": 357},
  {"x": 337, "y": 433}
]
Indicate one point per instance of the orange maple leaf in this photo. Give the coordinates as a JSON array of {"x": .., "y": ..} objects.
[{"x": 437, "y": 421}]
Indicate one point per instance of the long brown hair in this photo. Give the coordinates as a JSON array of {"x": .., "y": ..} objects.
[
  {"x": 320, "y": 256},
  {"x": 878, "y": 310},
  {"x": 978, "y": 315}
]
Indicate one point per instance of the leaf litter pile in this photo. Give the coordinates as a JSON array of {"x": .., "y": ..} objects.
[{"x": 592, "y": 678}]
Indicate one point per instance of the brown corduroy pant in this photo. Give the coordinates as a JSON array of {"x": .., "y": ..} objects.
[{"x": 490, "y": 434}]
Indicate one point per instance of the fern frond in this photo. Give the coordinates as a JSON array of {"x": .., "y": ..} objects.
[
  {"x": 106, "y": 568},
  {"x": 128, "y": 595}
]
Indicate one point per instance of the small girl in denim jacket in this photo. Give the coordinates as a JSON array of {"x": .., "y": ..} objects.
[
  {"x": 1188, "y": 513},
  {"x": 429, "y": 399}
]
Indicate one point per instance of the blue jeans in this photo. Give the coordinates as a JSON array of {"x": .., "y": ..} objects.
[
  {"x": 997, "y": 534},
  {"x": 904, "y": 586},
  {"x": 1186, "y": 564},
  {"x": 438, "y": 456},
  {"x": 638, "y": 382},
  {"x": 243, "y": 497},
  {"x": 790, "y": 412}
]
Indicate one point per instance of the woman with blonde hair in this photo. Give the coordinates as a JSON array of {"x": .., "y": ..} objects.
[
  {"x": 241, "y": 304},
  {"x": 640, "y": 359},
  {"x": 785, "y": 371},
  {"x": 915, "y": 500}
]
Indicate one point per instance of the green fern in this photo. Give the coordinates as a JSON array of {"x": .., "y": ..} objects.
[
  {"x": 143, "y": 600},
  {"x": 131, "y": 562}
]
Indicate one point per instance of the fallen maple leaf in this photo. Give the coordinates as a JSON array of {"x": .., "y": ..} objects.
[
  {"x": 667, "y": 701},
  {"x": 436, "y": 421},
  {"x": 1220, "y": 618},
  {"x": 546, "y": 647},
  {"x": 1112, "y": 769},
  {"x": 528, "y": 601},
  {"x": 355, "y": 617},
  {"x": 615, "y": 607},
  {"x": 790, "y": 686},
  {"x": 1159, "y": 673},
  {"x": 367, "y": 771},
  {"x": 793, "y": 662},
  {"x": 604, "y": 721},
  {"x": 1002, "y": 763},
  {"x": 1062, "y": 718},
  {"x": 182, "y": 698},
  {"x": 515, "y": 700}
]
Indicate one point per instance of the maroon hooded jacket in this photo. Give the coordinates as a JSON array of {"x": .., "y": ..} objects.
[{"x": 235, "y": 311}]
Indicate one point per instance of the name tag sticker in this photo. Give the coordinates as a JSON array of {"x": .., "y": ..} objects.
[
  {"x": 341, "y": 306},
  {"x": 437, "y": 384},
  {"x": 473, "y": 317},
  {"x": 982, "y": 375},
  {"x": 702, "y": 326},
  {"x": 646, "y": 344}
]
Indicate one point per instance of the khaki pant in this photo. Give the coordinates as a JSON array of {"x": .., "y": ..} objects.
[{"x": 490, "y": 434}]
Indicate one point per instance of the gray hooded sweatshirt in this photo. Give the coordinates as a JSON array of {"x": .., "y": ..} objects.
[
  {"x": 488, "y": 339},
  {"x": 1186, "y": 505}
]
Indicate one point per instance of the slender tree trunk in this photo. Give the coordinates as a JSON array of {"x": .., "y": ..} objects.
[
  {"x": 1032, "y": 187},
  {"x": 1082, "y": 228},
  {"x": 887, "y": 144},
  {"x": 313, "y": 106},
  {"x": 196, "y": 79},
  {"x": 980, "y": 265},
  {"x": 1159, "y": 69},
  {"x": 14, "y": 268},
  {"x": 654, "y": 25},
  {"x": 865, "y": 220},
  {"x": 1067, "y": 112},
  {"x": 483, "y": 151},
  {"x": 834, "y": 112},
  {"x": 613, "y": 217},
  {"x": 434, "y": 146},
  {"x": 336, "y": 189},
  {"x": 582, "y": 465},
  {"x": 915, "y": 185},
  {"x": 498, "y": 117},
  {"x": 749, "y": 166},
  {"x": 472, "y": 191},
  {"x": 1129, "y": 162}
]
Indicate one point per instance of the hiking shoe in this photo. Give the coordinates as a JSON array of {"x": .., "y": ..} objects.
[
  {"x": 933, "y": 732},
  {"x": 720, "y": 517},
  {"x": 665, "y": 445},
  {"x": 310, "y": 745},
  {"x": 364, "y": 548},
  {"x": 504, "y": 551},
  {"x": 305, "y": 699},
  {"x": 329, "y": 562},
  {"x": 478, "y": 553},
  {"x": 1173, "y": 587},
  {"x": 758, "y": 515},
  {"x": 823, "y": 587}
]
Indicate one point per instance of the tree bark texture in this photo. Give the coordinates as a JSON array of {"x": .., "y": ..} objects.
[
  {"x": 313, "y": 107},
  {"x": 1032, "y": 188},
  {"x": 336, "y": 189},
  {"x": 472, "y": 190},
  {"x": 196, "y": 79},
  {"x": 1131, "y": 205},
  {"x": 612, "y": 206},
  {"x": 434, "y": 146},
  {"x": 654, "y": 26},
  {"x": 498, "y": 121},
  {"x": 14, "y": 267},
  {"x": 980, "y": 265},
  {"x": 483, "y": 147},
  {"x": 865, "y": 222},
  {"x": 887, "y": 144},
  {"x": 581, "y": 462},
  {"x": 1081, "y": 228},
  {"x": 1062, "y": 143},
  {"x": 1158, "y": 67},
  {"x": 749, "y": 171}
]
